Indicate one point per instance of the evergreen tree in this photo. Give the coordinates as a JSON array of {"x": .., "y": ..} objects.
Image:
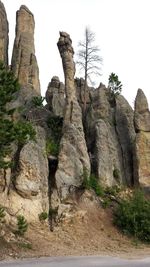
[
  {"x": 114, "y": 84},
  {"x": 10, "y": 130}
]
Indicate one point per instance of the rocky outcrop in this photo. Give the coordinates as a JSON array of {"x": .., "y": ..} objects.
[
  {"x": 142, "y": 142},
  {"x": 3, "y": 35},
  {"x": 29, "y": 193},
  {"x": 55, "y": 97},
  {"x": 73, "y": 157},
  {"x": 108, "y": 155},
  {"x": 81, "y": 93},
  {"x": 47, "y": 173},
  {"x": 24, "y": 63},
  {"x": 141, "y": 114},
  {"x": 110, "y": 135},
  {"x": 126, "y": 135}
]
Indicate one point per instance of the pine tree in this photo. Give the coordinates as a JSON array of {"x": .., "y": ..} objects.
[
  {"x": 22, "y": 225},
  {"x": 10, "y": 130}
]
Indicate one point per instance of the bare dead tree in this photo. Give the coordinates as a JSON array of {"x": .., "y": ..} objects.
[{"x": 89, "y": 60}]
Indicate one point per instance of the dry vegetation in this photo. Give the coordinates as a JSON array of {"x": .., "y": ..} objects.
[{"x": 87, "y": 230}]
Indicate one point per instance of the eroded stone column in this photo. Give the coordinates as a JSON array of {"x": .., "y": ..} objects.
[
  {"x": 3, "y": 34},
  {"x": 24, "y": 63},
  {"x": 73, "y": 156},
  {"x": 142, "y": 143}
]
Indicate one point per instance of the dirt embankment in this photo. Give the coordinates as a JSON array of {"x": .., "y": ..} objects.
[{"x": 88, "y": 230}]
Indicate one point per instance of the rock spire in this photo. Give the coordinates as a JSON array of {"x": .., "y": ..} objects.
[
  {"x": 73, "y": 156},
  {"x": 142, "y": 142},
  {"x": 24, "y": 63},
  {"x": 3, "y": 35}
]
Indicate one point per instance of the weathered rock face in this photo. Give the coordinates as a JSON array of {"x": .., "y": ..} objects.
[
  {"x": 24, "y": 63},
  {"x": 108, "y": 155},
  {"x": 73, "y": 156},
  {"x": 55, "y": 97},
  {"x": 3, "y": 35},
  {"x": 79, "y": 83},
  {"x": 142, "y": 143},
  {"x": 30, "y": 196},
  {"x": 126, "y": 135},
  {"x": 142, "y": 114},
  {"x": 110, "y": 135}
]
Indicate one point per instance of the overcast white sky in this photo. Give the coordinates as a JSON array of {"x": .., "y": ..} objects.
[{"x": 122, "y": 29}]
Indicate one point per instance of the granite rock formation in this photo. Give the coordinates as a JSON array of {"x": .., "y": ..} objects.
[
  {"x": 110, "y": 135},
  {"x": 25, "y": 189},
  {"x": 55, "y": 97},
  {"x": 3, "y": 34},
  {"x": 142, "y": 142},
  {"x": 24, "y": 63},
  {"x": 110, "y": 140},
  {"x": 73, "y": 157}
]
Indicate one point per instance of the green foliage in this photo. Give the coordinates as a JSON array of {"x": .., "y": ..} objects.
[
  {"x": 2, "y": 213},
  {"x": 53, "y": 212},
  {"x": 10, "y": 131},
  {"x": 112, "y": 190},
  {"x": 22, "y": 225},
  {"x": 25, "y": 245},
  {"x": 116, "y": 174},
  {"x": 24, "y": 132},
  {"x": 132, "y": 216},
  {"x": 106, "y": 203},
  {"x": 38, "y": 101},
  {"x": 114, "y": 84},
  {"x": 52, "y": 148},
  {"x": 92, "y": 182},
  {"x": 8, "y": 86},
  {"x": 55, "y": 123},
  {"x": 43, "y": 216}
]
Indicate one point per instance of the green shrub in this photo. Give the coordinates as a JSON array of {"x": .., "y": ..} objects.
[
  {"x": 55, "y": 123},
  {"x": 116, "y": 174},
  {"x": 25, "y": 245},
  {"x": 92, "y": 182},
  {"x": 53, "y": 212},
  {"x": 52, "y": 148},
  {"x": 43, "y": 216},
  {"x": 23, "y": 132},
  {"x": 2, "y": 213},
  {"x": 22, "y": 225},
  {"x": 132, "y": 216},
  {"x": 10, "y": 129},
  {"x": 106, "y": 203},
  {"x": 38, "y": 101},
  {"x": 112, "y": 190}
]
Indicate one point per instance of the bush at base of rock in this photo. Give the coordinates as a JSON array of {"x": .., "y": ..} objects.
[
  {"x": 132, "y": 216},
  {"x": 2, "y": 213},
  {"x": 43, "y": 216},
  {"x": 22, "y": 225}
]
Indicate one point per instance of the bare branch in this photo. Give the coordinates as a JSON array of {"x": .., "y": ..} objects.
[{"x": 89, "y": 60}]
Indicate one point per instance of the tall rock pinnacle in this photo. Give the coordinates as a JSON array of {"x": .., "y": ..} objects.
[
  {"x": 3, "y": 35},
  {"x": 73, "y": 156},
  {"x": 142, "y": 142},
  {"x": 24, "y": 63}
]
